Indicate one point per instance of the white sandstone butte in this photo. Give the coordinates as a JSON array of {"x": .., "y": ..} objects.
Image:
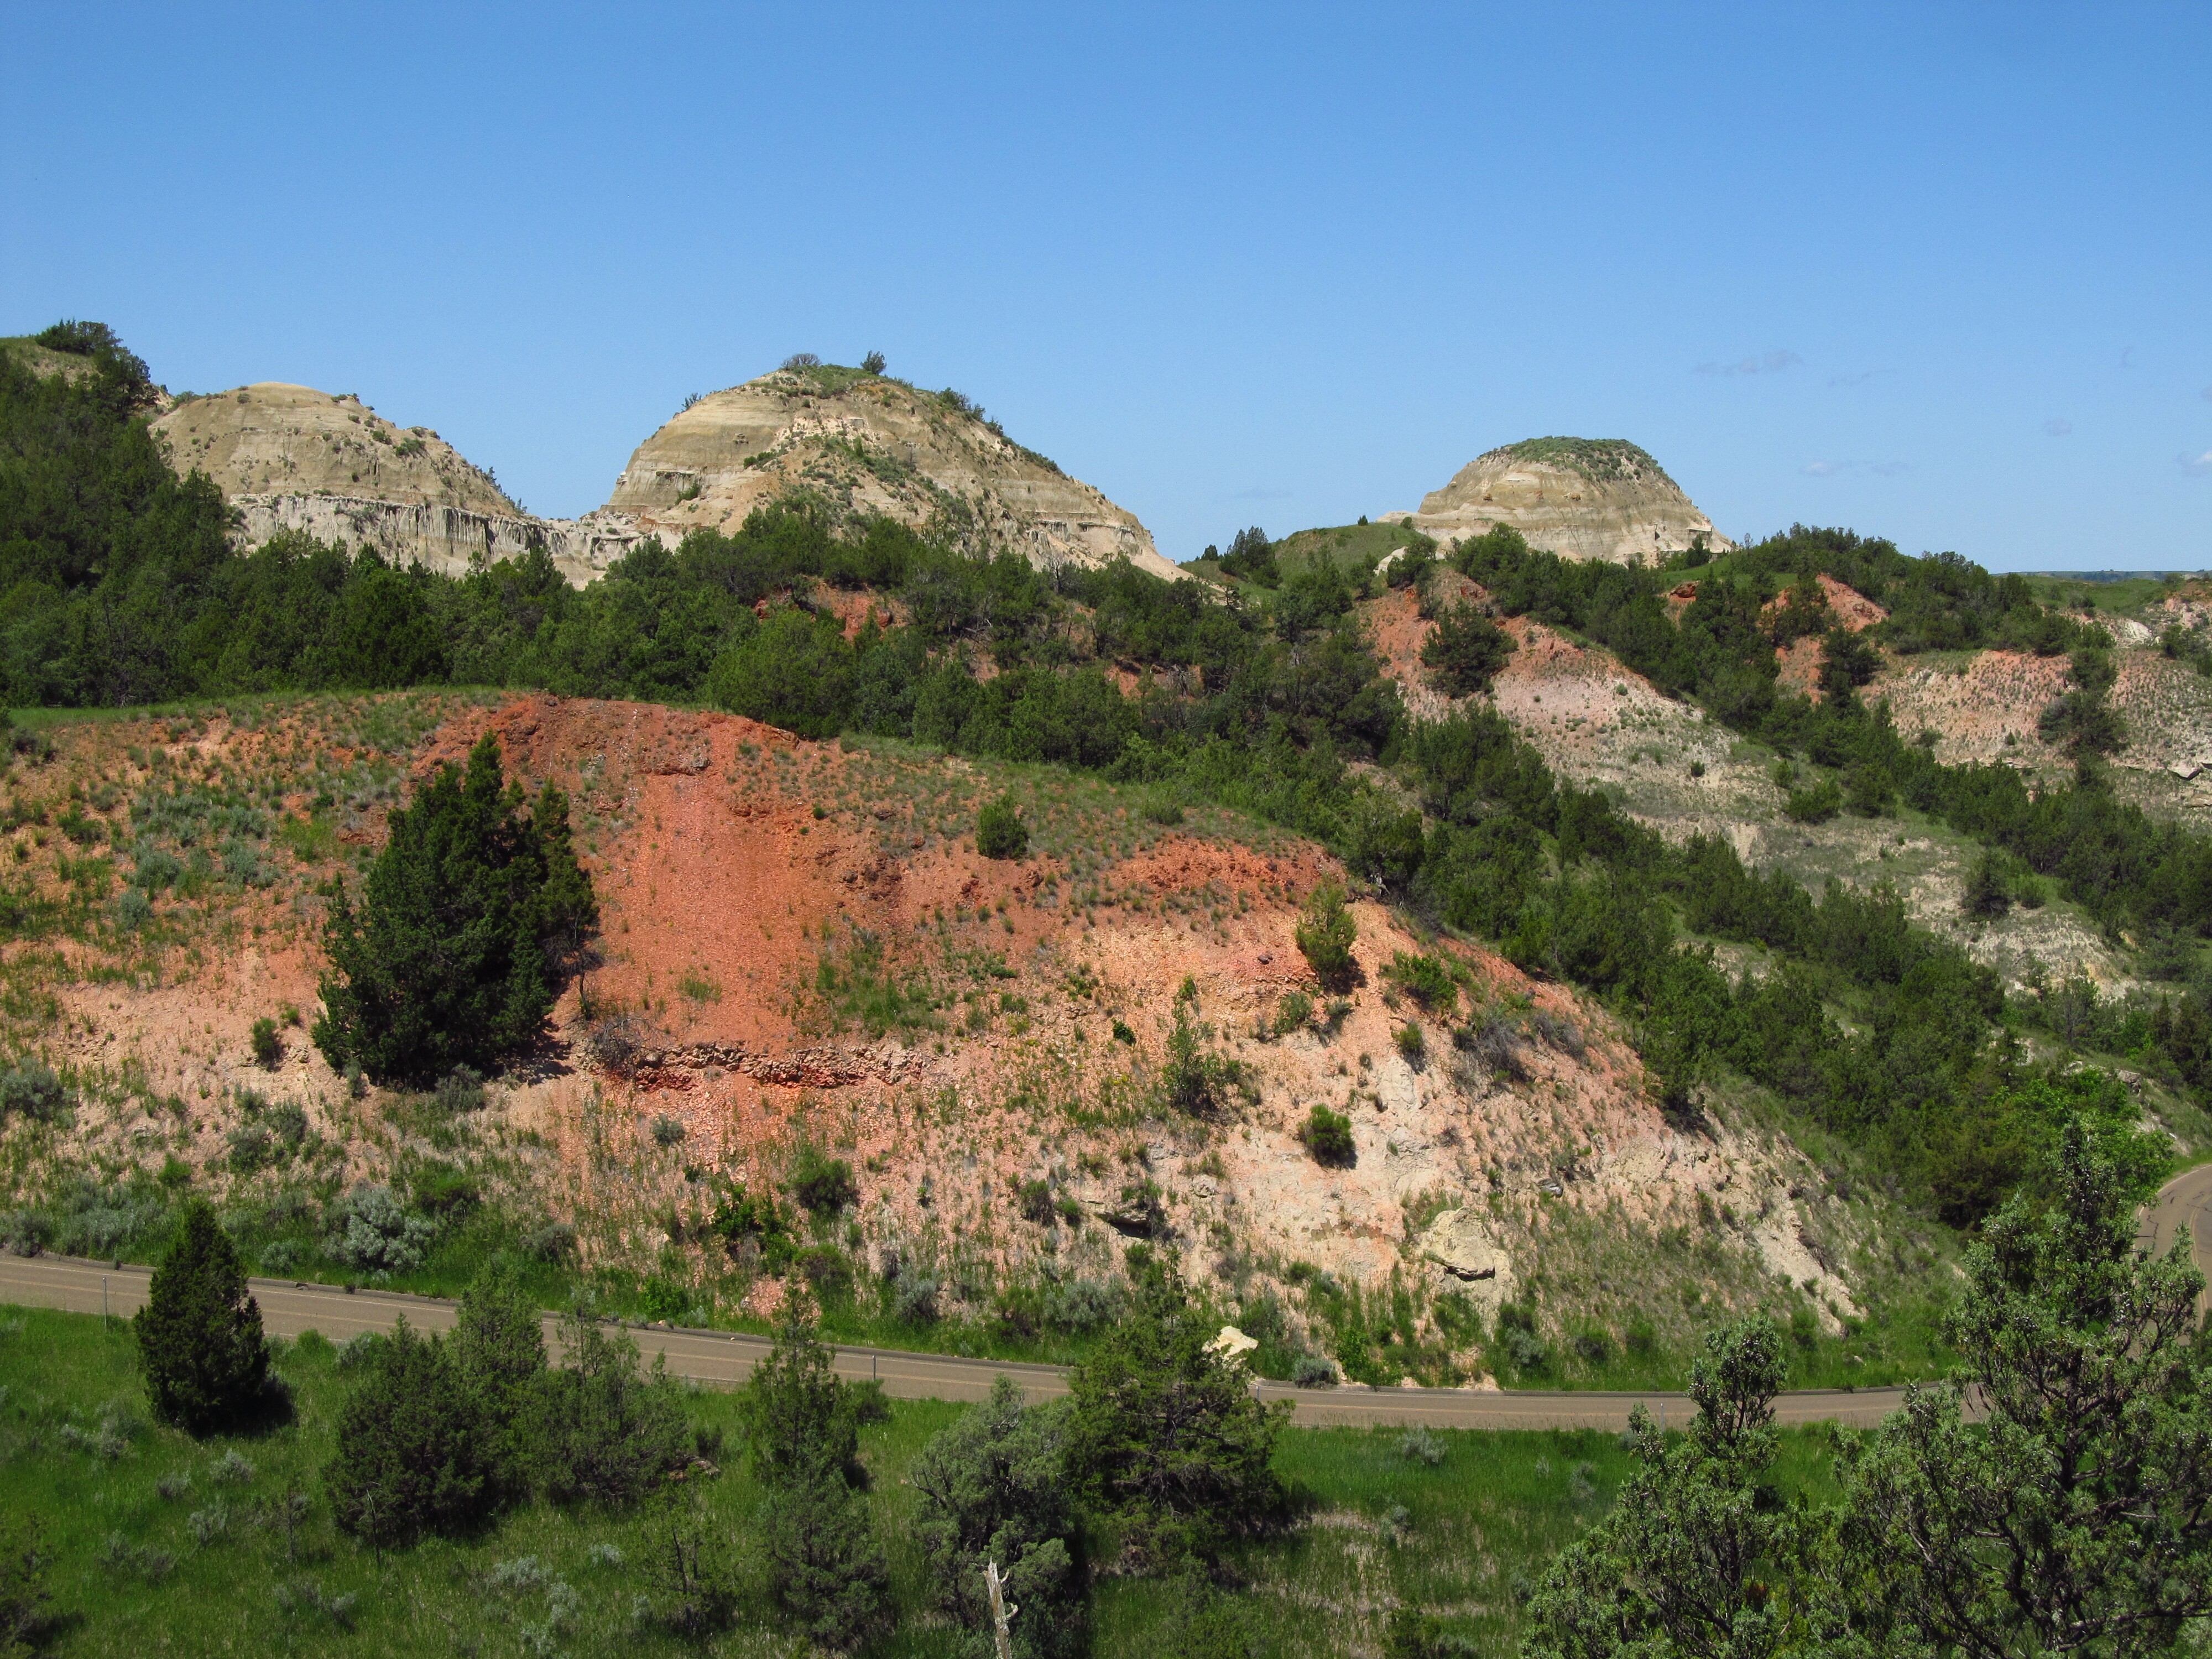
[
  {"x": 851, "y": 444},
  {"x": 863, "y": 444},
  {"x": 1582, "y": 498}
]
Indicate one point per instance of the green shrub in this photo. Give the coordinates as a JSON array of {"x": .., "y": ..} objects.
[
  {"x": 822, "y": 1185},
  {"x": 1426, "y": 980},
  {"x": 1294, "y": 1012},
  {"x": 200, "y": 1344},
  {"x": 1164, "y": 1439},
  {"x": 802, "y": 1431},
  {"x": 413, "y": 1455},
  {"x": 445, "y": 960},
  {"x": 1464, "y": 651},
  {"x": 30, "y": 1089},
  {"x": 375, "y": 1232},
  {"x": 1327, "y": 1136},
  {"x": 1194, "y": 1082},
  {"x": 746, "y": 1223},
  {"x": 1034, "y": 1199},
  {"x": 1326, "y": 934},
  {"x": 994, "y": 1487},
  {"x": 268, "y": 1048},
  {"x": 1313, "y": 1372},
  {"x": 1410, "y": 1041},
  {"x": 460, "y": 1091},
  {"x": 1817, "y": 804},
  {"x": 999, "y": 832},
  {"x": 606, "y": 1435}
]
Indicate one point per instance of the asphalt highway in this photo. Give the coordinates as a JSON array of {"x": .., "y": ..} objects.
[{"x": 723, "y": 1359}]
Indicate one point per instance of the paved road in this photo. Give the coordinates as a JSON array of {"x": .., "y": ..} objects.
[
  {"x": 723, "y": 1359},
  {"x": 2184, "y": 1201}
]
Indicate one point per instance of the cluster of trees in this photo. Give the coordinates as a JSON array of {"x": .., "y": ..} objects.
[
  {"x": 1159, "y": 1441},
  {"x": 2054, "y": 1496}
]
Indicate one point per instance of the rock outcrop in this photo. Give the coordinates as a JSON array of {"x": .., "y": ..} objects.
[
  {"x": 452, "y": 540},
  {"x": 290, "y": 458},
  {"x": 860, "y": 445},
  {"x": 278, "y": 440},
  {"x": 1460, "y": 1242},
  {"x": 1583, "y": 498}
]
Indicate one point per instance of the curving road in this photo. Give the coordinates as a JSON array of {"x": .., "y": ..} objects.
[
  {"x": 2184, "y": 1201},
  {"x": 723, "y": 1359}
]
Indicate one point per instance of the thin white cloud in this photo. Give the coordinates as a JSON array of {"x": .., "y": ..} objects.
[
  {"x": 2056, "y": 428},
  {"x": 1765, "y": 362},
  {"x": 2201, "y": 465},
  {"x": 1821, "y": 468}
]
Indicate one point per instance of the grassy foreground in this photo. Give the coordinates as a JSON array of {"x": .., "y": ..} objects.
[{"x": 163, "y": 1544}]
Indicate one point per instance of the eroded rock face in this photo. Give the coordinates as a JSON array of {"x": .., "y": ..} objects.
[
  {"x": 1579, "y": 497},
  {"x": 452, "y": 540},
  {"x": 1460, "y": 1242},
  {"x": 275, "y": 439},
  {"x": 863, "y": 444},
  {"x": 290, "y": 458}
]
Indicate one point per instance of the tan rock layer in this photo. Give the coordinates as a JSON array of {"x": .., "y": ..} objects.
[
  {"x": 872, "y": 445},
  {"x": 1637, "y": 519}
]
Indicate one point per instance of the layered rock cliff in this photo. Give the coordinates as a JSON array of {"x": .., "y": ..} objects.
[
  {"x": 1584, "y": 498},
  {"x": 858, "y": 444},
  {"x": 290, "y": 458}
]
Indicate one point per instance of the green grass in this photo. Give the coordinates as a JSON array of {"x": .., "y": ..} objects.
[{"x": 1464, "y": 1537}]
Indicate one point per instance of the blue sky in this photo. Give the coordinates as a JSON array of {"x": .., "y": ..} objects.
[{"x": 1941, "y": 272}]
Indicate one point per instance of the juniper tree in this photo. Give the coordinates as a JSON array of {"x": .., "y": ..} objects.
[
  {"x": 994, "y": 1487},
  {"x": 1163, "y": 1437},
  {"x": 413, "y": 1455},
  {"x": 465, "y": 920},
  {"x": 200, "y": 1344},
  {"x": 2076, "y": 1518},
  {"x": 1686, "y": 1561},
  {"x": 802, "y": 1429}
]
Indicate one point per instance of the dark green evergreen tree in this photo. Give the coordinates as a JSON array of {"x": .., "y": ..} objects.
[
  {"x": 199, "y": 1334},
  {"x": 999, "y": 832},
  {"x": 1686, "y": 1560},
  {"x": 498, "y": 1347},
  {"x": 606, "y": 1435},
  {"x": 995, "y": 1487},
  {"x": 414, "y": 1453},
  {"x": 1164, "y": 1438},
  {"x": 802, "y": 1431},
  {"x": 1465, "y": 651},
  {"x": 2076, "y": 1518},
  {"x": 464, "y": 921}
]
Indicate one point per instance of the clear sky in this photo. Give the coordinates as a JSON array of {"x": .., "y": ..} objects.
[{"x": 1937, "y": 272}]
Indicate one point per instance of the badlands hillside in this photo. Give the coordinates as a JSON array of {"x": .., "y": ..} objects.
[
  {"x": 853, "y": 445},
  {"x": 802, "y": 949},
  {"x": 1468, "y": 962}
]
